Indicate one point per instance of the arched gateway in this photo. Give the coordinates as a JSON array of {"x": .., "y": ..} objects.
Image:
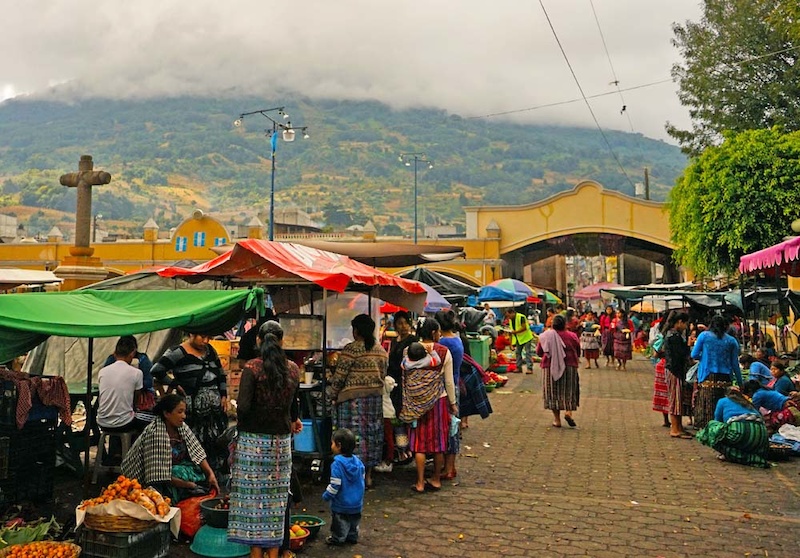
[{"x": 587, "y": 220}]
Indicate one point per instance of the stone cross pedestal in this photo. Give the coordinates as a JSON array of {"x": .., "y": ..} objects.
[{"x": 80, "y": 268}]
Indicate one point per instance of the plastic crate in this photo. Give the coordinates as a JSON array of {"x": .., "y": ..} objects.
[{"x": 152, "y": 543}]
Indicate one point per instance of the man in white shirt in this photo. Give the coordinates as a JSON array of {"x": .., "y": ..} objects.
[{"x": 119, "y": 384}]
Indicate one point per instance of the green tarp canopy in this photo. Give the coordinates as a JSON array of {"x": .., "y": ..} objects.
[{"x": 26, "y": 320}]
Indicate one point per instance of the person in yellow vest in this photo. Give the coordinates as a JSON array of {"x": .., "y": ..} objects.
[{"x": 521, "y": 338}]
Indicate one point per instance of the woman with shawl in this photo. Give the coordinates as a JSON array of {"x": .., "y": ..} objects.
[
  {"x": 607, "y": 334},
  {"x": 429, "y": 399},
  {"x": 560, "y": 351}
]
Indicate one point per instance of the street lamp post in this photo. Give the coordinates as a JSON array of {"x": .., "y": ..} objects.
[
  {"x": 288, "y": 133},
  {"x": 407, "y": 158}
]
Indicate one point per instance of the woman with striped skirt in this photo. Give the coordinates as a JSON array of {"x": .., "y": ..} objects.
[
  {"x": 357, "y": 392},
  {"x": 560, "y": 351},
  {"x": 262, "y": 464},
  {"x": 676, "y": 360}
]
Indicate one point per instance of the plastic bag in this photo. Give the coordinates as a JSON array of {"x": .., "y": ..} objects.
[{"x": 191, "y": 520}]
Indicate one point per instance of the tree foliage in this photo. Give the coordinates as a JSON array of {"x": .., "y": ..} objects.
[
  {"x": 739, "y": 70},
  {"x": 736, "y": 198}
]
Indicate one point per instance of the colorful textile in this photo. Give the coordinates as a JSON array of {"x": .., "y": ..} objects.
[
  {"x": 422, "y": 387},
  {"x": 208, "y": 421},
  {"x": 708, "y": 394},
  {"x": 359, "y": 371},
  {"x": 790, "y": 414},
  {"x": 660, "y": 388},
  {"x": 716, "y": 356},
  {"x": 364, "y": 417},
  {"x": 431, "y": 433},
  {"x": 679, "y": 396},
  {"x": 262, "y": 470},
  {"x": 472, "y": 393},
  {"x": 150, "y": 457},
  {"x": 554, "y": 349},
  {"x": 744, "y": 441},
  {"x": 563, "y": 394},
  {"x": 623, "y": 344}
]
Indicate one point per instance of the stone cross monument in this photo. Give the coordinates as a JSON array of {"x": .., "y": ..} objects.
[
  {"x": 80, "y": 268},
  {"x": 83, "y": 180}
]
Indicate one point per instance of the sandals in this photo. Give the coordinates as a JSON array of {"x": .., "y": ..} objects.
[
  {"x": 682, "y": 436},
  {"x": 570, "y": 421},
  {"x": 429, "y": 487}
]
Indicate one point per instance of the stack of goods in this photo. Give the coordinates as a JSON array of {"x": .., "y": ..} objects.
[
  {"x": 126, "y": 517},
  {"x": 228, "y": 352}
]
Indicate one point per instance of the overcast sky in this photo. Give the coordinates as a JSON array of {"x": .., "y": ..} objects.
[{"x": 469, "y": 57}]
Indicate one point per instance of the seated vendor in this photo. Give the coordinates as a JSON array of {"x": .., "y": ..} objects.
[
  {"x": 168, "y": 456},
  {"x": 758, "y": 370},
  {"x": 781, "y": 383},
  {"x": 781, "y": 409},
  {"x": 737, "y": 432},
  {"x": 146, "y": 398},
  {"x": 119, "y": 385}
]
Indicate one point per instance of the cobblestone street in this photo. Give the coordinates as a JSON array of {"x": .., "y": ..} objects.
[{"x": 615, "y": 486}]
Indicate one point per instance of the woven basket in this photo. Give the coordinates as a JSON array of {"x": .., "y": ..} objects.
[
  {"x": 74, "y": 548},
  {"x": 116, "y": 523}
]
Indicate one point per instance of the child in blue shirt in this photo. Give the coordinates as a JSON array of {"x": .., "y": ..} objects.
[{"x": 346, "y": 489}]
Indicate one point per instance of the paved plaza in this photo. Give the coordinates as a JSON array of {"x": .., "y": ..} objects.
[{"x": 618, "y": 485}]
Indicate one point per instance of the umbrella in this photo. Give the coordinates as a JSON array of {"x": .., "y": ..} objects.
[
  {"x": 433, "y": 302},
  {"x": 592, "y": 292},
  {"x": 513, "y": 285}
]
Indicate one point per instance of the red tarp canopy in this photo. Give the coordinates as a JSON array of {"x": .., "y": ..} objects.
[
  {"x": 592, "y": 292},
  {"x": 265, "y": 262},
  {"x": 783, "y": 255}
]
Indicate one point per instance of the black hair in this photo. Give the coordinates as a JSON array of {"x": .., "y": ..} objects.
[
  {"x": 718, "y": 326},
  {"x": 750, "y": 387},
  {"x": 428, "y": 327},
  {"x": 167, "y": 404},
  {"x": 778, "y": 364},
  {"x": 559, "y": 322},
  {"x": 346, "y": 441},
  {"x": 402, "y": 314},
  {"x": 734, "y": 395},
  {"x": 746, "y": 360},
  {"x": 676, "y": 317},
  {"x": 125, "y": 345},
  {"x": 447, "y": 320},
  {"x": 769, "y": 344},
  {"x": 417, "y": 351},
  {"x": 365, "y": 327},
  {"x": 274, "y": 364}
]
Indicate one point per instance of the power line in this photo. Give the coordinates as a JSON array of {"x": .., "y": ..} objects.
[
  {"x": 611, "y": 65},
  {"x": 585, "y": 99}
]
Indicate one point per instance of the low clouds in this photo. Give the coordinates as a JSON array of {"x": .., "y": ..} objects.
[{"x": 468, "y": 57}]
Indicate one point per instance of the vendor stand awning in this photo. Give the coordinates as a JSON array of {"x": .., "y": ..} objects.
[
  {"x": 592, "y": 292},
  {"x": 707, "y": 299},
  {"x": 265, "y": 262},
  {"x": 28, "y": 319},
  {"x": 785, "y": 256},
  {"x": 11, "y": 278},
  {"x": 443, "y": 284}
]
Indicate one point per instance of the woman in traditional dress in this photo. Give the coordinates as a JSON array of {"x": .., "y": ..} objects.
[
  {"x": 262, "y": 464},
  {"x": 736, "y": 430},
  {"x": 660, "y": 388},
  {"x": 560, "y": 351},
  {"x": 451, "y": 339},
  {"x": 429, "y": 399},
  {"x": 676, "y": 360},
  {"x": 198, "y": 375},
  {"x": 357, "y": 392},
  {"x": 718, "y": 354},
  {"x": 167, "y": 455},
  {"x": 780, "y": 409},
  {"x": 590, "y": 342},
  {"x": 622, "y": 329},
  {"x": 607, "y": 334}
]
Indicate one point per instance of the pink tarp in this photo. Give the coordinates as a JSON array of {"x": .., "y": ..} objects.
[
  {"x": 783, "y": 255},
  {"x": 266, "y": 262},
  {"x": 592, "y": 292}
]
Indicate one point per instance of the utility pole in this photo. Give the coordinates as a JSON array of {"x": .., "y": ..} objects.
[{"x": 646, "y": 184}]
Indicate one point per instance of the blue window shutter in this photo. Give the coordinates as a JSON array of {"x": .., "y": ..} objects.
[{"x": 180, "y": 243}]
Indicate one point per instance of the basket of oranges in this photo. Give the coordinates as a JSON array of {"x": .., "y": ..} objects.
[
  {"x": 298, "y": 537},
  {"x": 101, "y": 515},
  {"x": 42, "y": 549}
]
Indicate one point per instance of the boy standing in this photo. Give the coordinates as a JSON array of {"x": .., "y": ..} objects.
[{"x": 346, "y": 489}]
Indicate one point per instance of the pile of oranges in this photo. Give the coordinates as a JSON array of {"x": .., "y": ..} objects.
[
  {"x": 130, "y": 489},
  {"x": 42, "y": 550}
]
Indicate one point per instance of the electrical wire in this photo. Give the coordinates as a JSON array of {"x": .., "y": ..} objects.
[
  {"x": 585, "y": 99},
  {"x": 611, "y": 65}
]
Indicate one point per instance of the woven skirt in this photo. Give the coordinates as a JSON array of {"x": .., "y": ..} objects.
[
  {"x": 709, "y": 392},
  {"x": 364, "y": 417},
  {"x": 680, "y": 396},
  {"x": 432, "y": 431},
  {"x": 607, "y": 340},
  {"x": 564, "y": 394},
  {"x": 745, "y": 442},
  {"x": 660, "y": 389},
  {"x": 262, "y": 470}
]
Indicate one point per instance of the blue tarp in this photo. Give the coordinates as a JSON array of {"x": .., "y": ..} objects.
[{"x": 493, "y": 294}]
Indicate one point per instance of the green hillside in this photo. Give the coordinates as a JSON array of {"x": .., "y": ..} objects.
[{"x": 169, "y": 155}]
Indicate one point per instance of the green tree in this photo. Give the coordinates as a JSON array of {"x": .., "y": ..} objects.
[
  {"x": 739, "y": 70},
  {"x": 392, "y": 229},
  {"x": 735, "y": 198}
]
